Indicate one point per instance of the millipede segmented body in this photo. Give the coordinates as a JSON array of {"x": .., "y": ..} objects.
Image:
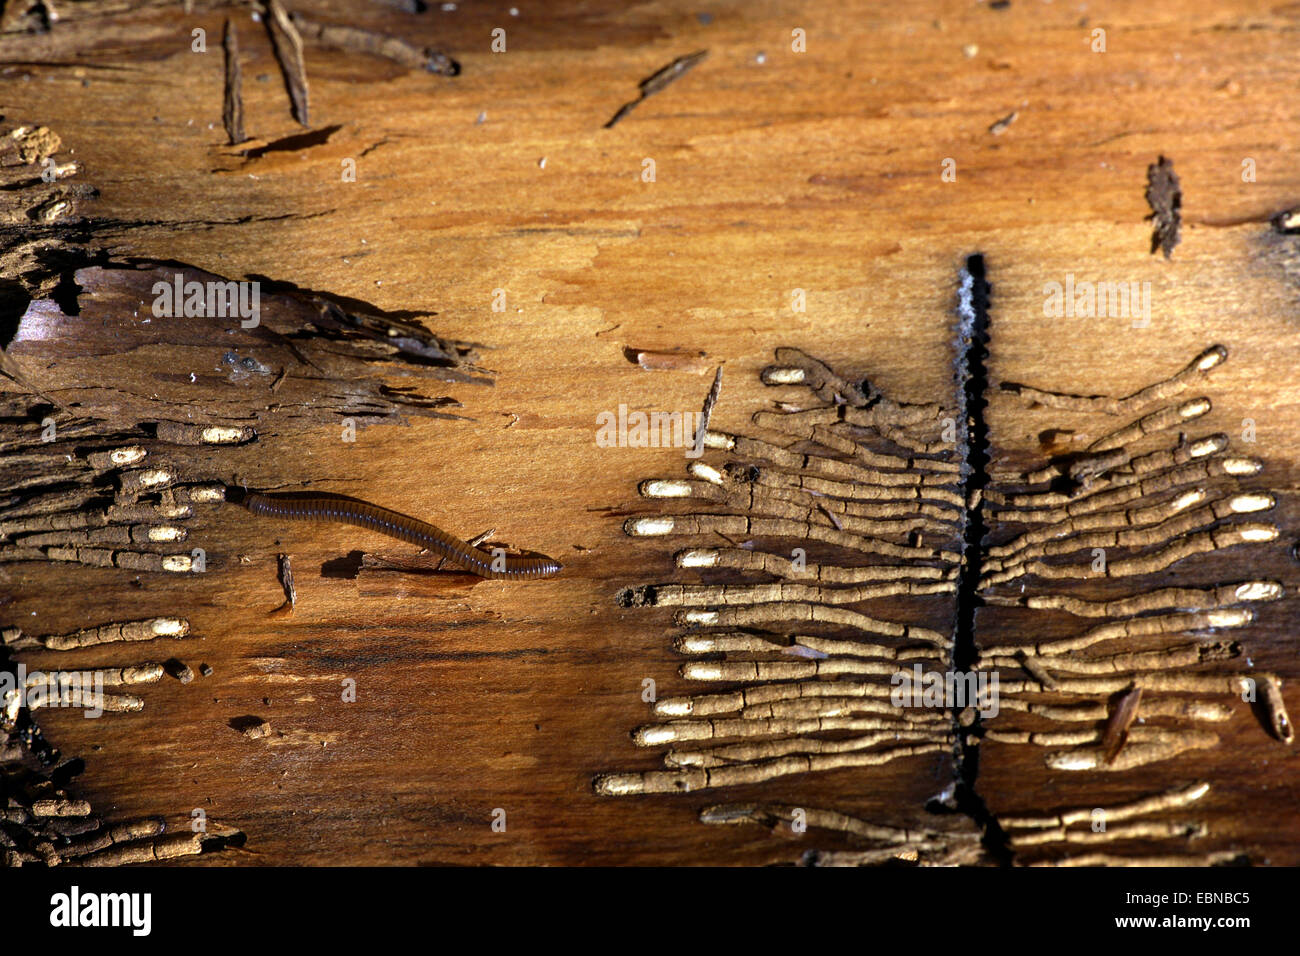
[{"x": 403, "y": 527}]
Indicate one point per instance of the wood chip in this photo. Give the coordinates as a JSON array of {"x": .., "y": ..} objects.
[
  {"x": 232, "y": 110},
  {"x": 1123, "y": 712},
  {"x": 288, "y": 51}
]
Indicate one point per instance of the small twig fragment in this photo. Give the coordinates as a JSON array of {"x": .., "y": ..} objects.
[
  {"x": 365, "y": 41},
  {"x": 1123, "y": 712},
  {"x": 701, "y": 433},
  {"x": 657, "y": 81},
  {"x": 232, "y": 112},
  {"x": 1000, "y": 127},
  {"x": 288, "y": 51},
  {"x": 286, "y": 581}
]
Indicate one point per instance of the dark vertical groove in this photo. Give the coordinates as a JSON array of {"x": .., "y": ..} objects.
[
  {"x": 971, "y": 373},
  {"x": 972, "y": 386}
]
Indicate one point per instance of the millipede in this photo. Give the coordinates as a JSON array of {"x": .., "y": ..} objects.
[{"x": 362, "y": 514}]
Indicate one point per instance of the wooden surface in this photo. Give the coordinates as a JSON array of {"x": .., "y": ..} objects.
[{"x": 775, "y": 171}]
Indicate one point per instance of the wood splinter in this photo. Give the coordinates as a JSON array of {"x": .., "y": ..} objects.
[{"x": 657, "y": 81}]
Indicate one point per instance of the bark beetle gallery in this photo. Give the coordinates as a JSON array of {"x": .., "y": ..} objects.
[
  {"x": 813, "y": 663},
  {"x": 844, "y": 498}
]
